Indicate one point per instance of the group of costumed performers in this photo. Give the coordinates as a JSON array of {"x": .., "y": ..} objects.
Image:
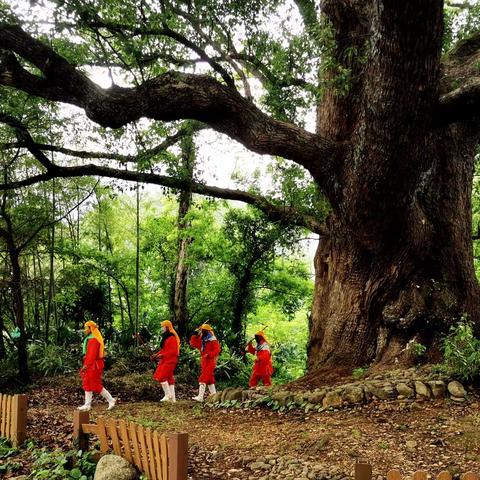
[{"x": 204, "y": 340}]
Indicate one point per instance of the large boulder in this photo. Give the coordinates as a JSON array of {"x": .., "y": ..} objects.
[{"x": 113, "y": 467}]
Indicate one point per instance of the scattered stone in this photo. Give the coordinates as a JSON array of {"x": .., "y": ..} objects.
[
  {"x": 332, "y": 399},
  {"x": 411, "y": 445},
  {"x": 456, "y": 389},
  {"x": 438, "y": 388},
  {"x": 422, "y": 389},
  {"x": 404, "y": 390},
  {"x": 353, "y": 395}
]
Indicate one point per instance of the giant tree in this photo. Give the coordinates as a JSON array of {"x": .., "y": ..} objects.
[{"x": 396, "y": 130}]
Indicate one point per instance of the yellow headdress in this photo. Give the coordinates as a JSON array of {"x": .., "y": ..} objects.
[
  {"x": 93, "y": 328},
  {"x": 261, "y": 334},
  {"x": 168, "y": 325},
  {"x": 205, "y": 326}
]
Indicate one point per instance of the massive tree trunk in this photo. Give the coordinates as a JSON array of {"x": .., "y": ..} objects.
[
  {"x": 18, "y": 305},
  {"x": 397, "y": 265}
]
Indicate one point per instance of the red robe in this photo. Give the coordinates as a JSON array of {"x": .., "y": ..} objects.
[
  {"x": 92, "y": 375},
  {"x": 209, "y": 353},
  {"x": 168, "y": 356},
  {"x": 262, "y": 368}
]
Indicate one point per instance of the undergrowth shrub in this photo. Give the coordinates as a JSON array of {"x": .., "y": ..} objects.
[
  {"x": 50, "y": 359},
  {"x": 461, "y": 351}
]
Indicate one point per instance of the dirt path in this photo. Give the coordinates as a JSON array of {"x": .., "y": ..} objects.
[{"x": 432, "y": 435}]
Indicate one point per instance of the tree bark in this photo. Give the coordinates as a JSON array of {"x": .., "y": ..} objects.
[
  {"x": 17, "y": 295},
  {"x": 180, "y": 289},
  {"x": 397, "y": 265}
]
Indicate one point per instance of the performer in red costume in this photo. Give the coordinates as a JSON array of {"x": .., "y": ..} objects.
[
  {"x": 92, "y": 369},
  {"x": 168, "y": 356},
  {"x": 262, "y": 368},
  {"x": 209, "y": 348}
]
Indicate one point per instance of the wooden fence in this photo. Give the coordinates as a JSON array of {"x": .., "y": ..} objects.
[
  {"x": 13, "y": 418},
  {"x": 158, "y": 456},
  {"x": 363, "y": 471}
]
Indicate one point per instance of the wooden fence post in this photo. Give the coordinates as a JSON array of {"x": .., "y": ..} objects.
[
  {"x": 80, "y": 438},
  {"x": 363, "y": 471},
  {"x": 19, "y": 419},
  {"x": 178, "y": 456}
]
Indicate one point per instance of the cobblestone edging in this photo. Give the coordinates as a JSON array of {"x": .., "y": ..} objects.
[
  {"x": 272, "y": 467},
  {"x": 405, "y": 385}
]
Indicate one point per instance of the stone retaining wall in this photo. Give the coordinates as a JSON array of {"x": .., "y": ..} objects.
[{"x": 404, "y": 385}]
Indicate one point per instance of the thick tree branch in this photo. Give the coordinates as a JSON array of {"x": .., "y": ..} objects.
[
  {"x": 461, "y": 104},
  {"x": 274, "y": 212},
  {"x": 168, "y": 97},
  {"x": 460, "y": 85},
  {"x": 148, "y": 153},
  {"x": 277, "y": 213}
]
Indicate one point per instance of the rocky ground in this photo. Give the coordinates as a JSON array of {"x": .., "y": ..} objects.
[{"x": 246, "y": 443}]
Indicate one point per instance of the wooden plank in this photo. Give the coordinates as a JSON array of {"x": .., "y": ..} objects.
[
  {"x": 394, "y": 475},
  {"x": 470, "y": 476},
  {"x": 80, "y": 438},
  {"x": 5, "y": 416},
  {"x": 8, "y": 426},
  {"x": 178, "y": 456},
  {"x": 102, "y": 435},
  {"x": 445, "y": 475},
  {"x": 2, "y": 413},
  {"x": 143, "y": 450},
  {"x": 420, "y": 475},
  {"x": 90, "y": 428},
  {"x": 164, "y": 454},
  {"x": 6, "y": 413},
  {"x": 112, "y": 433},
  {"x": 19, "y": 420},
  {"x": 158, "y": 458},
  {"x": 363, "y": 471},
  {"x": 151, "y": 455},
  {"x": 132, "y": 428},
  {"x": 127, "y": 448}
]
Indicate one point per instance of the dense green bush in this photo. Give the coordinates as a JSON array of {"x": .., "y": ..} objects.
[
  {"x": 47, "y": 360},
  {"x": 461, "y": 351}
]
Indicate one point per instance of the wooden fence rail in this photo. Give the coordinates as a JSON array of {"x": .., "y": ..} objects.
[
  {"x": 13, "y": 418},
  {"x": 158, "y": 456},
  {"x": 363, "y": 471}
]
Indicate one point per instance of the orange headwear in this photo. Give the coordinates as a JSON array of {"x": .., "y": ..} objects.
[
  {"x": 261, "y": 334},
  {"x": 168, "y": 325},
  {"x": 92, "y": 327},
  {"x": 205, "y": 326}
]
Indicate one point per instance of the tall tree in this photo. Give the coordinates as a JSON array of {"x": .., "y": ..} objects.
[
  {"x": 396, "y": 130},
  {"x": 180, "y": 287}
]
